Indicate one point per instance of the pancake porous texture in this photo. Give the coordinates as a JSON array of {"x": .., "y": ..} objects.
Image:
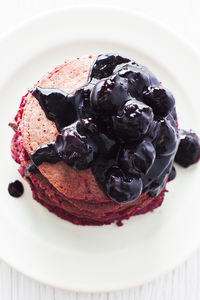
[{"x": 96, "y": 140}]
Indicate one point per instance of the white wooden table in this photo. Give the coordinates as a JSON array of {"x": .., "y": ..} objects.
[{"x": 183, "y": 283}]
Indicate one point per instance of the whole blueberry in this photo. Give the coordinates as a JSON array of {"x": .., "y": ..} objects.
[
  {"x": 109, "y": 94},
  {"x": 160, "y": 99},
  {"x": 45, "y": 153},
  {"x": 74, "y": 149},
  {"x": 189, "y": 148},
  {"x": 122, "y": 189},
  {"x": 139, "y": 78},
  {"x": 167, "y": 140},
  {"x": 15, "y": 188},
  {"x": 105, "y": 65},
  {"x": 133, "y": 120},
  {"x": 92, "y": 126},
  {"x": 138, "y": 158},
  {"x": 88, "y": 126}
]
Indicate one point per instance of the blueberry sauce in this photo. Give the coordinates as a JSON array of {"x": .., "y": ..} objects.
[
  {"x": 15, "y": 188},
  {"x": 121, "y": 124},
  {"x": 189, "y": 148},
  {"x": 172, "y": 174},
  {"x": 58, "y": 107}
]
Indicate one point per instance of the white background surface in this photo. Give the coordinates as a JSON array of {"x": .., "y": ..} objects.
[{"x": 183, "y": 16}]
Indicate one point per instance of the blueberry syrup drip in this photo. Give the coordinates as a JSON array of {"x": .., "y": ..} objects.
[
  {"x": 15, "y": 188},
  {"x": 57, "y": 105},
  {"x": 121, "y": 124},
  {"x": 172, "y": 174},
  {"x": 189, "y": 148}
]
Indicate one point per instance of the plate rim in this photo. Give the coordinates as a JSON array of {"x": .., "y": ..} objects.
[{"x": 6, "y": 34}]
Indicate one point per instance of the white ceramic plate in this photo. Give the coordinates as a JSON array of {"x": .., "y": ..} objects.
[{"x": 105, "y": 258}]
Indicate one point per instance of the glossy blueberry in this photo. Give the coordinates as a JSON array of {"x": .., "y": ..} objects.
[
  {"x": 15, "y": 188},
  {"x": 105, "y": 65},
  {"x": 74, "y": 149},
  {"x": 45, "y": 153},
  {"x": 137, "y": 159},
  {"x": 189, "y": 148},
  {"x": 109, "y": 94},
  {"x": 166, "y": 142},
  {"x": 89, "y": 126},
  {"x": 139, "y": 78},
  {"x": 120, "y": 188},
  {"x": 133, "y": 120},
  {"x": 160, "y": 99}
]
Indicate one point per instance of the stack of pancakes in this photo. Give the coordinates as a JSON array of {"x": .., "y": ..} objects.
[{"x": 70, "y": 194}]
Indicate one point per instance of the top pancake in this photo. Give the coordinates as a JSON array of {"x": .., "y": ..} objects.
[{"x": 37, "y": 130}]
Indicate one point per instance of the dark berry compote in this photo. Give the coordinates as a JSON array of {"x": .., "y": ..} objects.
[
  {"x": 122, "y": 124},
  {"x": 189, "y": 150}
]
